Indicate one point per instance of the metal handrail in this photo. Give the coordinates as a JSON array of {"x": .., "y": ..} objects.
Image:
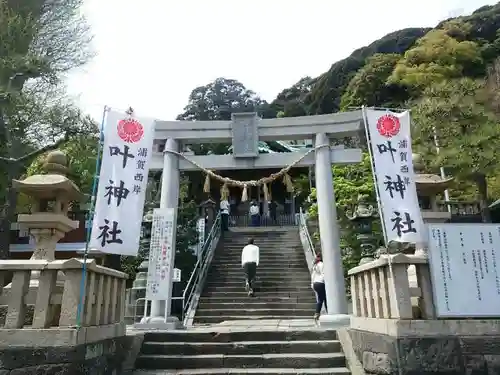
[
  {"x": 303, "y": 227},
  {"x": 200, "y": 266}
]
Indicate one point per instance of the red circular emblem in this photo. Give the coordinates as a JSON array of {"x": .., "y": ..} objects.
[
  {"x": 130, "y": 130},
  {"x": 388, "y": 126}
]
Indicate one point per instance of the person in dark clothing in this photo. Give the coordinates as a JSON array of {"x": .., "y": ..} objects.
[
  {"x": 273, "y": 207},
  {"x": 254, "y": 214},
  {"x": 224, "y": 211}
]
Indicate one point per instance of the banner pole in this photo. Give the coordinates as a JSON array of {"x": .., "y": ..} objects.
[
  {"x": 90, "y": 216},
  {"x": 374, "y": 174}
]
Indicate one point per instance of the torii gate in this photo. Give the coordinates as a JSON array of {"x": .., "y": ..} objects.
[{"x": 245, "y": 130}]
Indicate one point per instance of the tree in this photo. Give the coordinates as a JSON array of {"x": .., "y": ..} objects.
[
  {"x": 39, "y": 41},
  {"x": 369, "y": 86},
  {"x": 490, "y": 94},
  {"x": 217, "y": 101},
  {"x": 328, "y": 88},
  {"x": 290, "y": 102},
  {"x": 442, "y": 54},
  {"x": 468, "y": 134}
]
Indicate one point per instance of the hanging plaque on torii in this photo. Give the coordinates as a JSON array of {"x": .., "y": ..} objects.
[{"x": 245, "y": 135}]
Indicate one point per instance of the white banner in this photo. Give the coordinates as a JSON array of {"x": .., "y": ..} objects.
[
  {"x": 159, "y": 280},
  {"x": 465, "y": 274},
  {"x": 123, "y": 178},
  {"x": 392, "y": 158}
]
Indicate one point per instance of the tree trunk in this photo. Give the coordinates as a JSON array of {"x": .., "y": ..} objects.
[
  {"x": 9, "y": 211},
  {"x": 482, "y": 189}
]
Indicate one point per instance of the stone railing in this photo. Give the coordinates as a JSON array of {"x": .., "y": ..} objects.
[
  {"x": 382, "y": 288},
  {"x": 54, "y": 294}
]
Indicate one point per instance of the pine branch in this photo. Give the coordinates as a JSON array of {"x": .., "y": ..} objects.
[
  {"x": 35, "y": 153},
  {"x": 42, "y": 150}
]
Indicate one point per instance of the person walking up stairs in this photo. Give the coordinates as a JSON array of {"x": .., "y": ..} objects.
[
  {"x": 282, "y": 284},
  {"x": 250, "y": 262}
]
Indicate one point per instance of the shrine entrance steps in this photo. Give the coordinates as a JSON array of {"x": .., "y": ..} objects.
[
  {"x": 249, "y": 351},
  {"x": 282, "y": 288}
]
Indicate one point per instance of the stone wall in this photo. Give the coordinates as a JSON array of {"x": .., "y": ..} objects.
[
  {"x": 114, "y": 356},
  {"x": 451, "y": 347}
]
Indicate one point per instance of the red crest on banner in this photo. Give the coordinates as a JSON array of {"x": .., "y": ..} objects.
[
  {"x": 388, "y": 126},
  {"x": 130, "y": 130}
]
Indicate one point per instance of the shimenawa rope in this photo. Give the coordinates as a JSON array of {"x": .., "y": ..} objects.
[{"x": 245, "y": 185}]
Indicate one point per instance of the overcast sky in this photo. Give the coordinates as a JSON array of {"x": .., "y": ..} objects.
[{"x": 152, "y": 53}]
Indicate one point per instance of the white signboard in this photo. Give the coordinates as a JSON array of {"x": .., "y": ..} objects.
[
  {"x": 177, "y": 275},
  {"x": 127, "y": 148},
  {"x": 159, "y": 280},
  {"x": 465, "y": 274},
  {"x": 200, "y": 228},
  {"x": 393, "y": 169}
]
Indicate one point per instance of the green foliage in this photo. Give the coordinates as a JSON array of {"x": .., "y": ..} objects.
[
  {"x": 369, "y": 86},
  {"x": 81, "y": 152},
  {"x": 439, "y": 55},
  {"x": 468, "y": 133},
  {"x": 327, "y": 91},
  {"x": 217, "y": 101},
  {"x": 290, "y": 102},
  {"x": 39, "y": 42}
]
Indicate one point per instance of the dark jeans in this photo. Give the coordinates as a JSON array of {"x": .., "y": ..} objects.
[
  {"x": 250, "y": 269},
  {"x": 255, "y": 220},
  {"x": 224, "y": 222},
  {"x": 320, "y": 290}
]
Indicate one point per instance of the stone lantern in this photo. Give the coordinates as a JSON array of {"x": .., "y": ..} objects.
[
  {"x": 138, "y": 290},
  {"x": 52, "y": 192},
  {"x": 362, "y": 217},
  {"x": 429, "y": 186},
  {"x": 208, "y": 211},
  {"x": 48, "y": 222}
]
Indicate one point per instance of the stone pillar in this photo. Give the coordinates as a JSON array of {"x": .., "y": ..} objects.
[
  {"x": 330, "y": 238},
  {"x": 169, "y": 198}
]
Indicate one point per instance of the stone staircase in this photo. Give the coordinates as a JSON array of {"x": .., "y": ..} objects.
[
  {"x": 283, "y": 287},
  {"x": 271, "y": 333},
  {"x": 241, "y": 352}
]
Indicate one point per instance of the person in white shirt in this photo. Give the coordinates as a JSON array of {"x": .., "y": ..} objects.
[
  {"x": 224, "y": 214},
  {"x": 318, "y": 285},
  {"x": 255, "y": 214},
  {"x": 250, "y": 262}
]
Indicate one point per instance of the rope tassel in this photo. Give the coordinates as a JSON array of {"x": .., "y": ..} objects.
[
  {"x": 206, "y": 186},
  {"x": 287, "y": 181},
  {"x": 267, "y": 196},
  {"x": 224, "y": 192},
  {"x": 244, "y": 195}
]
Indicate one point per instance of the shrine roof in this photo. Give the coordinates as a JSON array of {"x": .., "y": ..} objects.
[{"x": 428, "y": 181}]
